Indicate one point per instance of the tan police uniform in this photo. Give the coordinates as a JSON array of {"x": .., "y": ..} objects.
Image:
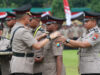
[
  {"x": 81, "y": 30},
  {"x": 38, "y": 66},
  {"x": 70, "y": 33},
  {"x": 89, "y": 58},
  {"x": 75, "y": 30},
  {"x": 22, "y": 43},
  {"x": 49, "y": 63},
  {"x": 4, "y": 57},
  {"x": 4, "y": 43},
  {"x": 64, "y": 32}
]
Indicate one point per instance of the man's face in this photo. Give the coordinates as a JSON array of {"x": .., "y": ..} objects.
[
  {"x": 89, "y": 24},
  {"x": 27, "y": 19},
  {"x": 51, "y": 27},
  {"x": 34, "y": 23},
  {"x": 10, "y": 23}
]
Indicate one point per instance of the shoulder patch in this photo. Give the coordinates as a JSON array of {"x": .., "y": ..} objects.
[
  {"x": 95, "y": 36},
  {"x": 58, "y": 44}
]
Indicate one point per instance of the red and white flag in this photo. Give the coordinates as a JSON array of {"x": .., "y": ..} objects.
[
  {"x": 67, "y": 12},
  {"x": 3, "y": 15},
  {"x": 46, "y": 13}
]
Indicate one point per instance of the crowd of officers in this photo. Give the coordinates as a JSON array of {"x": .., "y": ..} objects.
[
  {"x": 74, "y": 31},
  {"x": 38, "y": 49}
]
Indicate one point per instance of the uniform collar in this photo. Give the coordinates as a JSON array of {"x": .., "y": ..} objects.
[{"x": 96, "y": 29}]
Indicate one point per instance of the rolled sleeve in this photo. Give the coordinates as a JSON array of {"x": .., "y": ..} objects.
[{"x": 28, "y": 38}]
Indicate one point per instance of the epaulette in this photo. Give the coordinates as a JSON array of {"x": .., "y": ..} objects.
[{"x": 96, "y": 30}]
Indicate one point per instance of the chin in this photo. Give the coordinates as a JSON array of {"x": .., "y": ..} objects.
[{"x": 49, "y": 30}]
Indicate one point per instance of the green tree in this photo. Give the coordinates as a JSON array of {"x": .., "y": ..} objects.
[
  {"x": 78, "y": 3},
  {"x": 95, "y": 5},
  {"x": 58, "y": 8}
]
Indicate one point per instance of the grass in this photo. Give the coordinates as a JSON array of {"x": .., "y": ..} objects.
[{"x": 70, "y": 58}]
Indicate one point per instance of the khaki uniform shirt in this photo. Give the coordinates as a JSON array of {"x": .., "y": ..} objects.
[
  {"x": 90, "y": 57},
  {"x": 81, "y": 31},
  {"x": 64, "y": 32},
  {"x": 38, "y": 67},
  {"x": 49, "y": 63},
  {"x": 4, "y": 59},
  {"x": 75, "y": 30},
  {"x": 4, "y": 43},
  {"x": 22, "y": 43}
]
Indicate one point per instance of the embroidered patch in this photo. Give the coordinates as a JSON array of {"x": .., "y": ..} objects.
[
  {"x": 58, "y": 44},
  {"x": 95, "y": 36}
]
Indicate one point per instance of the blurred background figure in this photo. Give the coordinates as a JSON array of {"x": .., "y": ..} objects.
[{"x": 75, "y": 30}]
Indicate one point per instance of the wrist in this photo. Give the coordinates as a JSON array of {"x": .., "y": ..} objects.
[
  {"x": 48, "y": 37},
  {"x": 67, "y": 40}
]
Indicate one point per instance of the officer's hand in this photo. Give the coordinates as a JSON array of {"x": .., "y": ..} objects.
[
  {"x": 41, "y": 36},
  {"x": 55, "y": 34},
  {"x": 44, "y": 35},
  {"x": 38, "y": 59},
  {"x": 61, "y": 39}
]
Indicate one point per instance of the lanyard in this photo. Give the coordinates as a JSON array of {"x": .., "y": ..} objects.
[{"x": 36, "y": 31}]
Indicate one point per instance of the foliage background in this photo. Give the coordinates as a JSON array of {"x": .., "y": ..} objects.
[{"x": 56, "y": 5}]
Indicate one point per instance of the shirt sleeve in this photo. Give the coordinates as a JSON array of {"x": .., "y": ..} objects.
[
  {"x": 28, "y": 38},
  {"x": 94, "y": 39},
  {"x": 57, "y": 48}
]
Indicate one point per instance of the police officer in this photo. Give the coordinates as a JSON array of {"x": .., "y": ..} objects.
[
  {"x": 0, "y": 41},
  {"x": 22, "y": 60},
  {"x": 4, "y": 56},
  {"x": 88, "y": 45},
  {"x": 5, "y": 66},
  {"x": 35, "y": 24},
  {"x": 37, "y": 31},
  {"x": 10, "y": 19},
  {"x": 52, "y": 52},
  {"x": 75, "y": 31}
]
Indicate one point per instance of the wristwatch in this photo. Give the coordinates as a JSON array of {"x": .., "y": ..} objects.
[
  {"x": 48, "y": 37},
  {"x": 67, "y": 40}
]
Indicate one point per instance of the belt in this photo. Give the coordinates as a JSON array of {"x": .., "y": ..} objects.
[
  {"x": 23, "y": 54},
  {"x": 40, "y": 73}
]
